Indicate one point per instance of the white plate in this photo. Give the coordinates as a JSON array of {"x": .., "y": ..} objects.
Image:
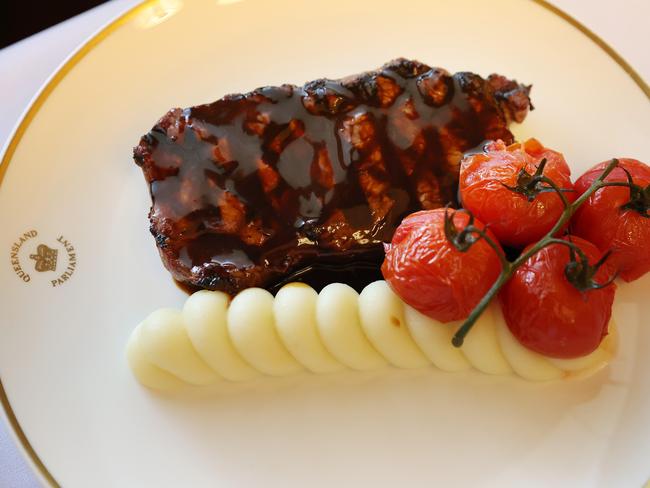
[{"x": 65, "y": 381}]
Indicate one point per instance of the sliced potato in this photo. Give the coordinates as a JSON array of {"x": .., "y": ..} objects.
[
  {"x": 526, "y": 363},
  {"x": 434, "y": 339},
  {"x": 382, "y": 318},
  {"x": 251, "y": 326},
  {"x": 337, "y": 317},
  {"x": 481, "y": 347},
  {"x": 205, "y": 317},
  {"x": 146, "y": 373},
  {"x": 165, "y": 343},
  {"x": 295, "y": 320}
]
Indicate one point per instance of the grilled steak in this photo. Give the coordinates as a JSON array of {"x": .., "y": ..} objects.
[{"x": 256, "y": 187}]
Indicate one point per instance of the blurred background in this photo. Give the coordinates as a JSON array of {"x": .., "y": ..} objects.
[{"x": 20, "y": 19}]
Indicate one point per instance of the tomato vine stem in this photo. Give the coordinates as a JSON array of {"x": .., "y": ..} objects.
[{"x": 508, "y": 268}]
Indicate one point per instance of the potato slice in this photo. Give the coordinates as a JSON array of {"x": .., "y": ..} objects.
[
  {"x": 205, "y": 317},
  {"x": 294, "y": 308},
  {"x": 146, "y": 373},
  {"x": 251, "y": 326},
  {"x": 165, "y": 343},
  {"x": 382, "y": 318},
  {"x": 526, "y": 363},
  {"x": 481, "y": 347},
  {"x": 434, "y": 339},
  {"x": 337, "y": 317}
]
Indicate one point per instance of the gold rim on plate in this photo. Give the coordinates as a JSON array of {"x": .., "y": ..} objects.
[{"x": 102, "y": 34}]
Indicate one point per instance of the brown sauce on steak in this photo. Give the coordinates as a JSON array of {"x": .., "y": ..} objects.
[{"x": 306, "y": 183}]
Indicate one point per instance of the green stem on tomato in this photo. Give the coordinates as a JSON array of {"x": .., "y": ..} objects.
[
  {"x": 509, "y": 268},
  {"x": 557, "y": 189},
  {"x": 496, "y": 248},
  {"x": 462, "y": 331}
]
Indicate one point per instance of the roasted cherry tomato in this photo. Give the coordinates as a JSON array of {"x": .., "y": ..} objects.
[
  {"x": 616, "y": 218},
  {"x": 496, "y": 187},
  {"x": 547, "y": 312},
  {"x": 429, "y": 273}
]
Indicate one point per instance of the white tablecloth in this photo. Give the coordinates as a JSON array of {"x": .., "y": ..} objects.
[{"x": 25, "y": 65}]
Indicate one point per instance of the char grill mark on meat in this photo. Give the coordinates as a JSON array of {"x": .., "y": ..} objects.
[{"x": 255, "y": 187}]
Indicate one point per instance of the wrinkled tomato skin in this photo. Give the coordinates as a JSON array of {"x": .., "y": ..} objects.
[
  {"x": 602, "y": 221},
  {"x": 547, "y": 314},
  {"x": 514, "y": 220},
  {"x": 430, "y": 274}
]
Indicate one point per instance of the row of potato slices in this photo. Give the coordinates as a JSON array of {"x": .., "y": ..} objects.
[{"x": 255, "y": 333}]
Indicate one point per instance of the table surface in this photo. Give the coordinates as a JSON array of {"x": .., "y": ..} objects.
[{"x": 26, "y": 65}]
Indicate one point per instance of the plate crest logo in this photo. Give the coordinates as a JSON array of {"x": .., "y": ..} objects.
[
  {"x": 45, "y": 258},
  {"x": 56, "y": 255}
]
